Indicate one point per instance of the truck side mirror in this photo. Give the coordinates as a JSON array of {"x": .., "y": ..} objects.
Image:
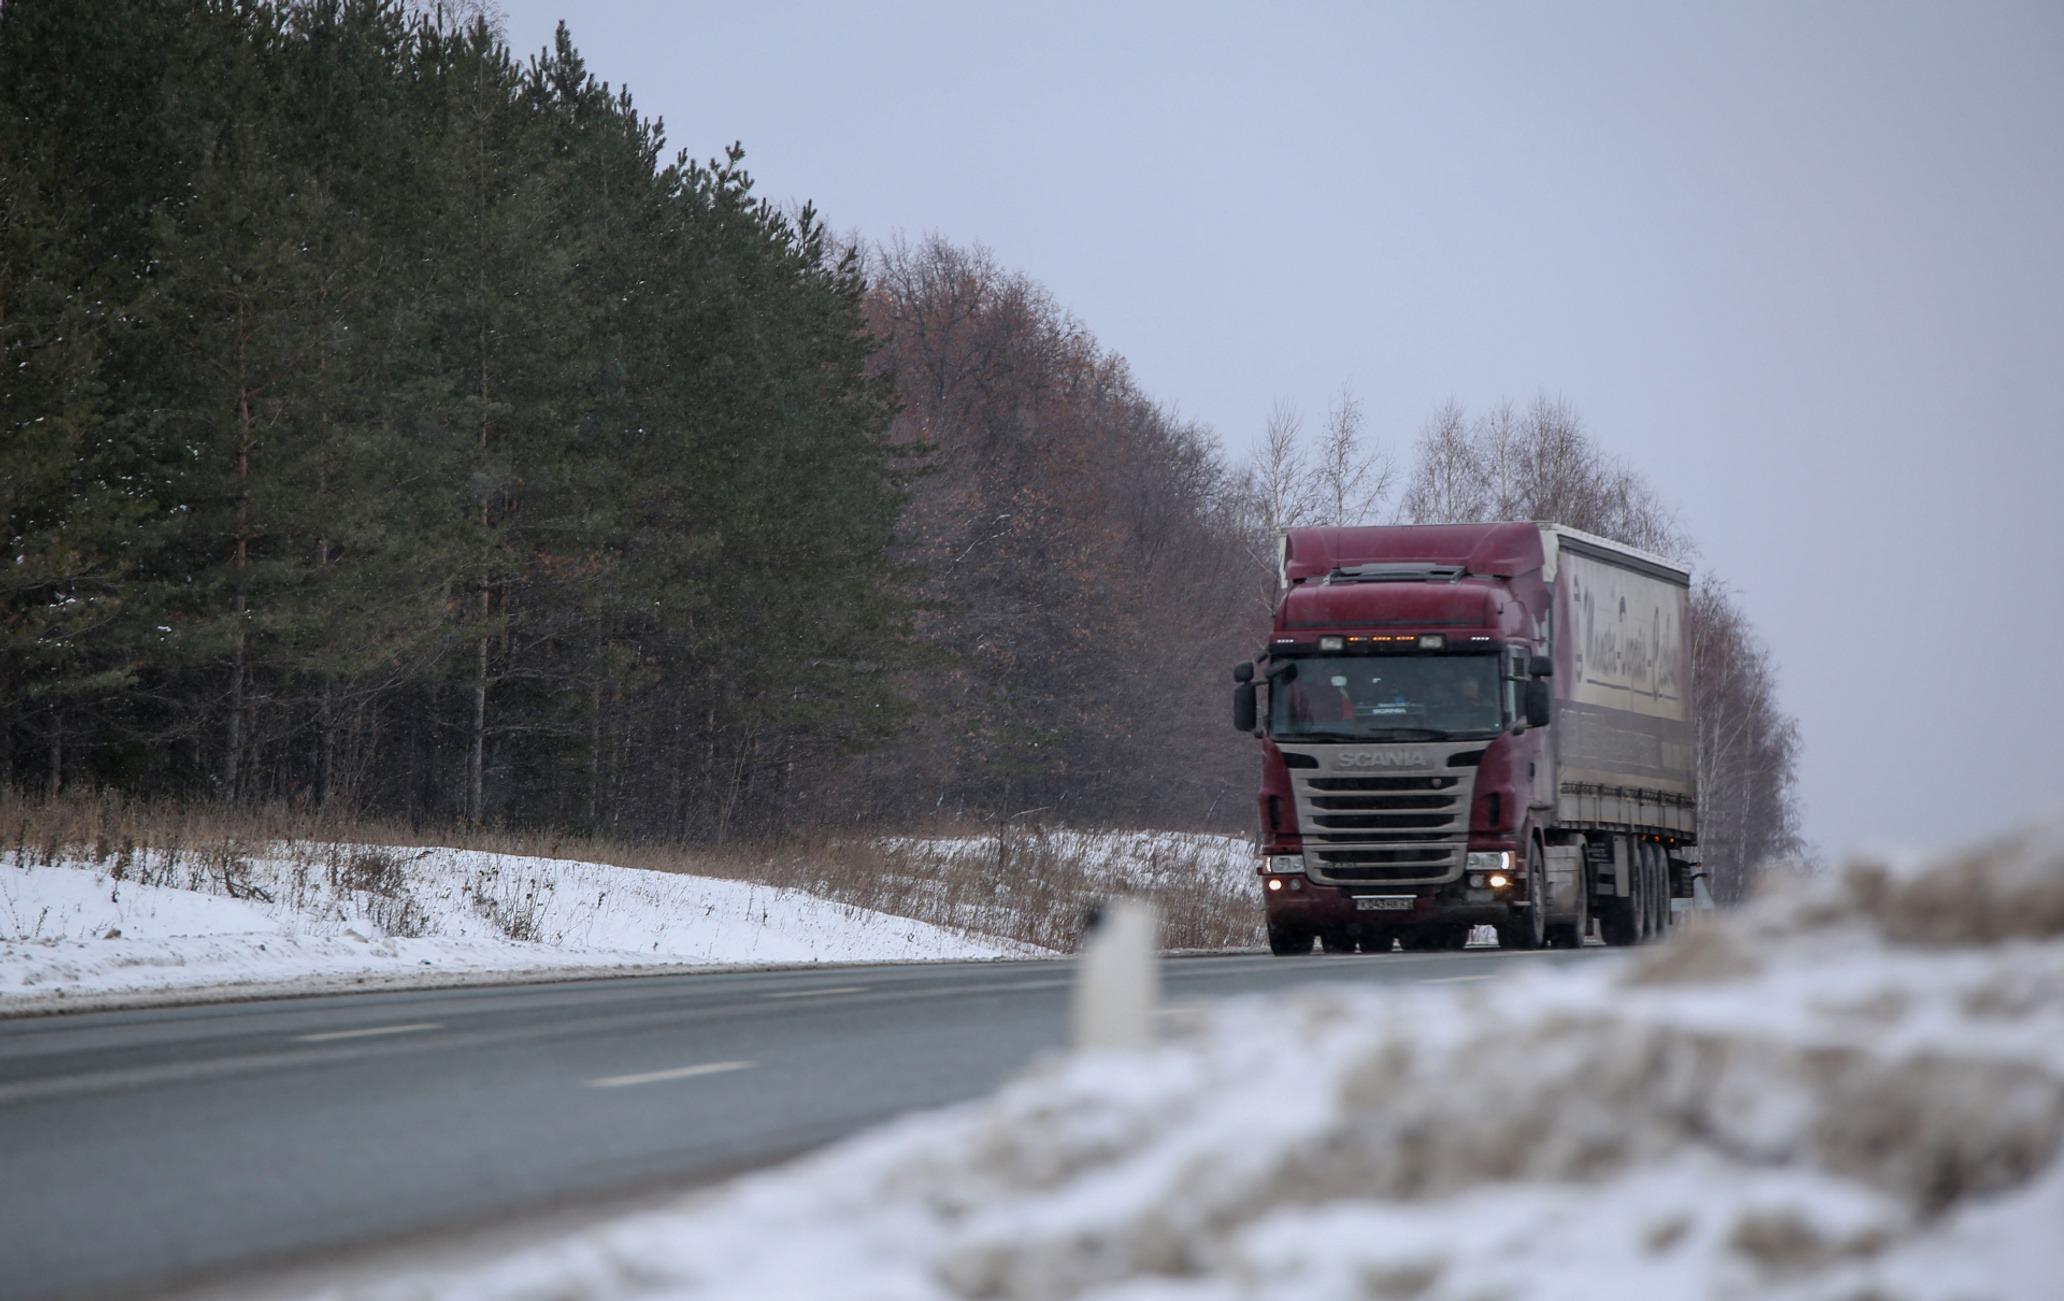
[
  {"x": 1243, "y": 707},
  {"x": 1243, "y": 672},
  {"x": 1540, "y": 666},
  {"x": 1537, "y": 703}
]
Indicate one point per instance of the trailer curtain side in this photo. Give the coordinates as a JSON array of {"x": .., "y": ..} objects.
[{"x": 1623, "y": 732}]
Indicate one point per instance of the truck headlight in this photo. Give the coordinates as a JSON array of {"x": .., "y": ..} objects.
[
  {"x": 1283, "y": 863},
  {"x": 1496, "y": 861}
]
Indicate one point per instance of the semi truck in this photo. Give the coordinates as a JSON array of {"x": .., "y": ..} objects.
[{"x": 1472, "y": 724}]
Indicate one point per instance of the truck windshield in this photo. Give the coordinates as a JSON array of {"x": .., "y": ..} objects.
[{"x": 1379, "y": 697}]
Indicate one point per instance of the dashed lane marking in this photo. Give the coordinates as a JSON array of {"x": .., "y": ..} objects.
[
  {"x": 657, "y": 1077},
  {"x": 370, "y": 1032},
  {"x": 813, "y": 993}
]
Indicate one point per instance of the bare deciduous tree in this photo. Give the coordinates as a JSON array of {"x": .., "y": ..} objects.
[
  {"x": 1082, "y": 560},
  {"x": 1277, "y": 493},
  {"x": 1539, "y": 464},
  {"x": 1747, "y": 747},
  {"x": 1350, "y": 477},
  {"x": 1444, "y": 485},
  {"x": 1344, "y": 480}
]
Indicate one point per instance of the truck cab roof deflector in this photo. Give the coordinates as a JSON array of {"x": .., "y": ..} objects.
[{"x": 1396, "y": 571}]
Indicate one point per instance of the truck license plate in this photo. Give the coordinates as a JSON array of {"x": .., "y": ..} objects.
[{"x": 1370, "y": 903}]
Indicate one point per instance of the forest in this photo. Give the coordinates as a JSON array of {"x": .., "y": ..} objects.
[{"x": 391, "y": 423}]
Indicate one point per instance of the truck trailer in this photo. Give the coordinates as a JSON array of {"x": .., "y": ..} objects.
[{"x": 1472, "y": 724}]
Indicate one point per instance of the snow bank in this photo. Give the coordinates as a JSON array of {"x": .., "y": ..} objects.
[
  {"x": 1852, "y": 1089},
  {"x": 353, "y": 915}
]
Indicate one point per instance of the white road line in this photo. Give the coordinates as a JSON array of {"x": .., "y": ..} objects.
[
  {"x": 370, "y": 1033},
  {"x": 1456, "y": 980},
  {"x": 812, "y": 993},
  {"x": 678, "y": 1073}
]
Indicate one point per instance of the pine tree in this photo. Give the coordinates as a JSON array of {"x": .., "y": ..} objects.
[{"x": 387, "y": 425}]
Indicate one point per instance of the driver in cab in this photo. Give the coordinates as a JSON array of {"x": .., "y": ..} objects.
[{"x": 1318, "y": 703}]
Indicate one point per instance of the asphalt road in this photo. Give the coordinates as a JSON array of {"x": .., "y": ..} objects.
[{"x": 140, "y": 1151}]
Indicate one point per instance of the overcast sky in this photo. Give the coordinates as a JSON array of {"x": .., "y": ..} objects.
[{"x": 1801, "y": 265}]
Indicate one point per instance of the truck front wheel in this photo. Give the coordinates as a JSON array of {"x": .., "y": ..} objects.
[
  {"x": 1288, "y": 941},
  {"x": 1527, "y": 928}
]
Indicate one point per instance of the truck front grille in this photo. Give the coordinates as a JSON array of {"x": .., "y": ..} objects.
[
  {"x": 1382, "y": 784},
  {"x": 1383, "y": 808},
  {"x": 1395, "y": 827},
  {"x": 1387, "y": 873}
]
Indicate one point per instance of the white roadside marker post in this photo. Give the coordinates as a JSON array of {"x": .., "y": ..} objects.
[{"x": 1118, "y": 977}]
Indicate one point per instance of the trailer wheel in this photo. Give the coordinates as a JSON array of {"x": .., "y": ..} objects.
[
  {"x": 1655, "y": 917},
  {"x": 1288, "y": 941},
  {"x": 1644, "y": 911},
  {"x": 1616, "y": 923},
  {"x": 1662, "y": 893},
  {"x": 1620, "y": 917},
  {"x": 1570, "y": 934}
]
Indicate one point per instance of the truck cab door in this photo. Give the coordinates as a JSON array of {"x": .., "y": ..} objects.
[{"x": 1541, "y": 762}]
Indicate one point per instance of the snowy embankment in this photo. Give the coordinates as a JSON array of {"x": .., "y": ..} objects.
[
  {"x": 1851, "y": 1089},
  {"x": 324, "y": 917}
]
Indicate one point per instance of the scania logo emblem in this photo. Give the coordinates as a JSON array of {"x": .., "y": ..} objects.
[{"x": 1382, "y": 759}]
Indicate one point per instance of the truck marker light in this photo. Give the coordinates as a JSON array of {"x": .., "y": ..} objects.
[
  {"x": 1330, "y": 643},
  {"x": 1432, "y": 641}
]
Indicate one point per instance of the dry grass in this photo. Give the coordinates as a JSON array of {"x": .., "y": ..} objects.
[{"x": 1032, "y": 885}]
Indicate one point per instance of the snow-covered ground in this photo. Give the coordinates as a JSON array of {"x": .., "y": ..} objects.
[
  {"x": 1852, "y": 1089},
  {"x": 305, "y": 917},
  {"x": 327, "y": 916}
]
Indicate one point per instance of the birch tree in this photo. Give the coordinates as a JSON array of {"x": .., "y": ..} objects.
[{"x": 1351, "y": 476}]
